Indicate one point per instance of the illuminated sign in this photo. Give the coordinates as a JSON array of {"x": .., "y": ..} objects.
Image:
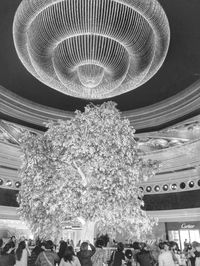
[{"x": 187, "y": 226}]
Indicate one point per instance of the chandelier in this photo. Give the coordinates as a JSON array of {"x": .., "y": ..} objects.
[{"x": 91, "y": 49}]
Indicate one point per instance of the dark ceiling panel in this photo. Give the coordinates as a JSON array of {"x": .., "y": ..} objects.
[
  {"x": 172, "y": 201},
  {"x": 8, "y": 197}
]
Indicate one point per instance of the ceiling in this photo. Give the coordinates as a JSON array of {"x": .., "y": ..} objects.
[{"x": 180, "y": 70}]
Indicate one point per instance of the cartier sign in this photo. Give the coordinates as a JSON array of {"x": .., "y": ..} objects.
[
  {"x": 187, "y": 226},
  {"x": 184, "y": 225}
]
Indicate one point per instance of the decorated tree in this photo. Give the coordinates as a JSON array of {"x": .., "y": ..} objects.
[{"x": 86, "y": 169}]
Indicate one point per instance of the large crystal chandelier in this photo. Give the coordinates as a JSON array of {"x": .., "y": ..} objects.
[{"x": 92, "y": 49}]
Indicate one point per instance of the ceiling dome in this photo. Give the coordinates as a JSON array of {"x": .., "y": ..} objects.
[{"x": 92, "y": 49}]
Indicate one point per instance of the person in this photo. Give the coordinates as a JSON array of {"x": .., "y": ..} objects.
[
  {"x": 78, "y": 244},
  {"x": 129, "y": 258},
  {"x": 191, "y": 256},
  {"x": 1, "y": 246},
  {"x": 69, "y": 258},
  {"x": 197, "y": 255},
  {"x": 84, "y": 255},
  {"x": 7, "y": 258},
  {"x": 61, "y": 252},
  {"x": 165, "y": 258},
  {"x": 35, "y": 252},
  {"x": 21, "y": 254},
  {"x": 13, "y": 243},
  {"x": 98, "y": 258},
  {"x": 118, "y": 257},
  {"x": 144, "y": 256},
  {"x": 48, "y": 256},
  {"x": 71, "y": 243}
]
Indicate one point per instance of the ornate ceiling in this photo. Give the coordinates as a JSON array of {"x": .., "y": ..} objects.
[
  {"x": 91, "y": 49},
  {"x": 170, "y": 96}
]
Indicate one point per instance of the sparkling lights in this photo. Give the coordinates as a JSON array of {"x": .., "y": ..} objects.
[{"x": 92, "y": 49}]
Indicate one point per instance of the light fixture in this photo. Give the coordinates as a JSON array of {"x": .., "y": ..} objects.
[
  {"x": 174, "y": 186},
  {"x": 191, "y": 184},
  {"x": 157, "y": 188},
  {"x": 9, "y": 183},
  {"x": 165, "y": 187},
  {"x": 92, "y": 49},
  {"x": 182, "y": 185},
  {"x": 17, "y": 184},
  {"x": 148, "y": 189}
]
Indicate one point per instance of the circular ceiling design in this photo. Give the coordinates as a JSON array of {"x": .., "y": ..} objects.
[{"x": 91, "y": 49}]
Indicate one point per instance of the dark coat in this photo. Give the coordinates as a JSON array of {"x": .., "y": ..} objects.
[
  {"x": 7, "y": 260},
  {"x": 117, "y": 257},
  {"x": 145, "y": 258}
]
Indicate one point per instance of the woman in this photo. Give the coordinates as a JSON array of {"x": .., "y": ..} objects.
[
  {"x": 21, "y": 254},
  {"x": 69, "y": 258},
  {"x": 144, "y": 257},
  {"x": 84, "y": 255},
  {"x": 165, "y": 258},
  {"x": 35, "y": 252},
  {"x": 7, "y": 259},
  {"x": 99, "y": 257},
  {"x": 48, "y": 256},
  {"x": 62, "y": 249},
  {"x": 118, "y": 257}
]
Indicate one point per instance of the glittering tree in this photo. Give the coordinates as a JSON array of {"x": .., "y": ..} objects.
[{"x": 86, "y": 169}]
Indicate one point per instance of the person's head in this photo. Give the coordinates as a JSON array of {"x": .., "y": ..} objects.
[
  {"x": 21, "y": 247},
  {"x": 128, "y": 254},
  {"x": 99, "y": 243},
  {"x": 142, "y": 246},
  {"x": 63, "y": 246},
  {"x": 135, "y": 245},
  {"x": 164, "y": 246},
  {"x": 49, "y": 245},
  {"x": 69, "y": 253},
  {"x": 120, "y": 246},
  {"x": 84, "y": 246}
]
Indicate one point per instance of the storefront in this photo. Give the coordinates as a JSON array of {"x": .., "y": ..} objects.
[{"x": 183, "y": 232}]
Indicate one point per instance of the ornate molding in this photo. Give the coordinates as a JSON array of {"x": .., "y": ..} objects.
[
  {"x": 181, "y": 215},
  {"x": 158, "y": 114}
]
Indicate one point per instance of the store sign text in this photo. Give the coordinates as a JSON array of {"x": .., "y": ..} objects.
[{"x": 187, "y": 226}]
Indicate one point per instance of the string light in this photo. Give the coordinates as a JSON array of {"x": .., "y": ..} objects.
[{"x": 91, "y": 49}]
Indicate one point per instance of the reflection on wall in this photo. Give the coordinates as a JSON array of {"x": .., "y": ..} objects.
[{"x": 16, "y": 228}]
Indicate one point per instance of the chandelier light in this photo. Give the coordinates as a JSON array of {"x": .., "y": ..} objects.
[{"x": 92, "y": 49}]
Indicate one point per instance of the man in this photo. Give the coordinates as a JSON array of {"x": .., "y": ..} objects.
[{"x": 165, "y": 258}]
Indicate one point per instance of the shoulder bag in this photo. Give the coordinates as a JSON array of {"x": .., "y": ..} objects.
[{"x": 47, "y": 259}]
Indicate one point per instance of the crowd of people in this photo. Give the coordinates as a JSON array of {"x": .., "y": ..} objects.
[{"x": 45, "y": 253}]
